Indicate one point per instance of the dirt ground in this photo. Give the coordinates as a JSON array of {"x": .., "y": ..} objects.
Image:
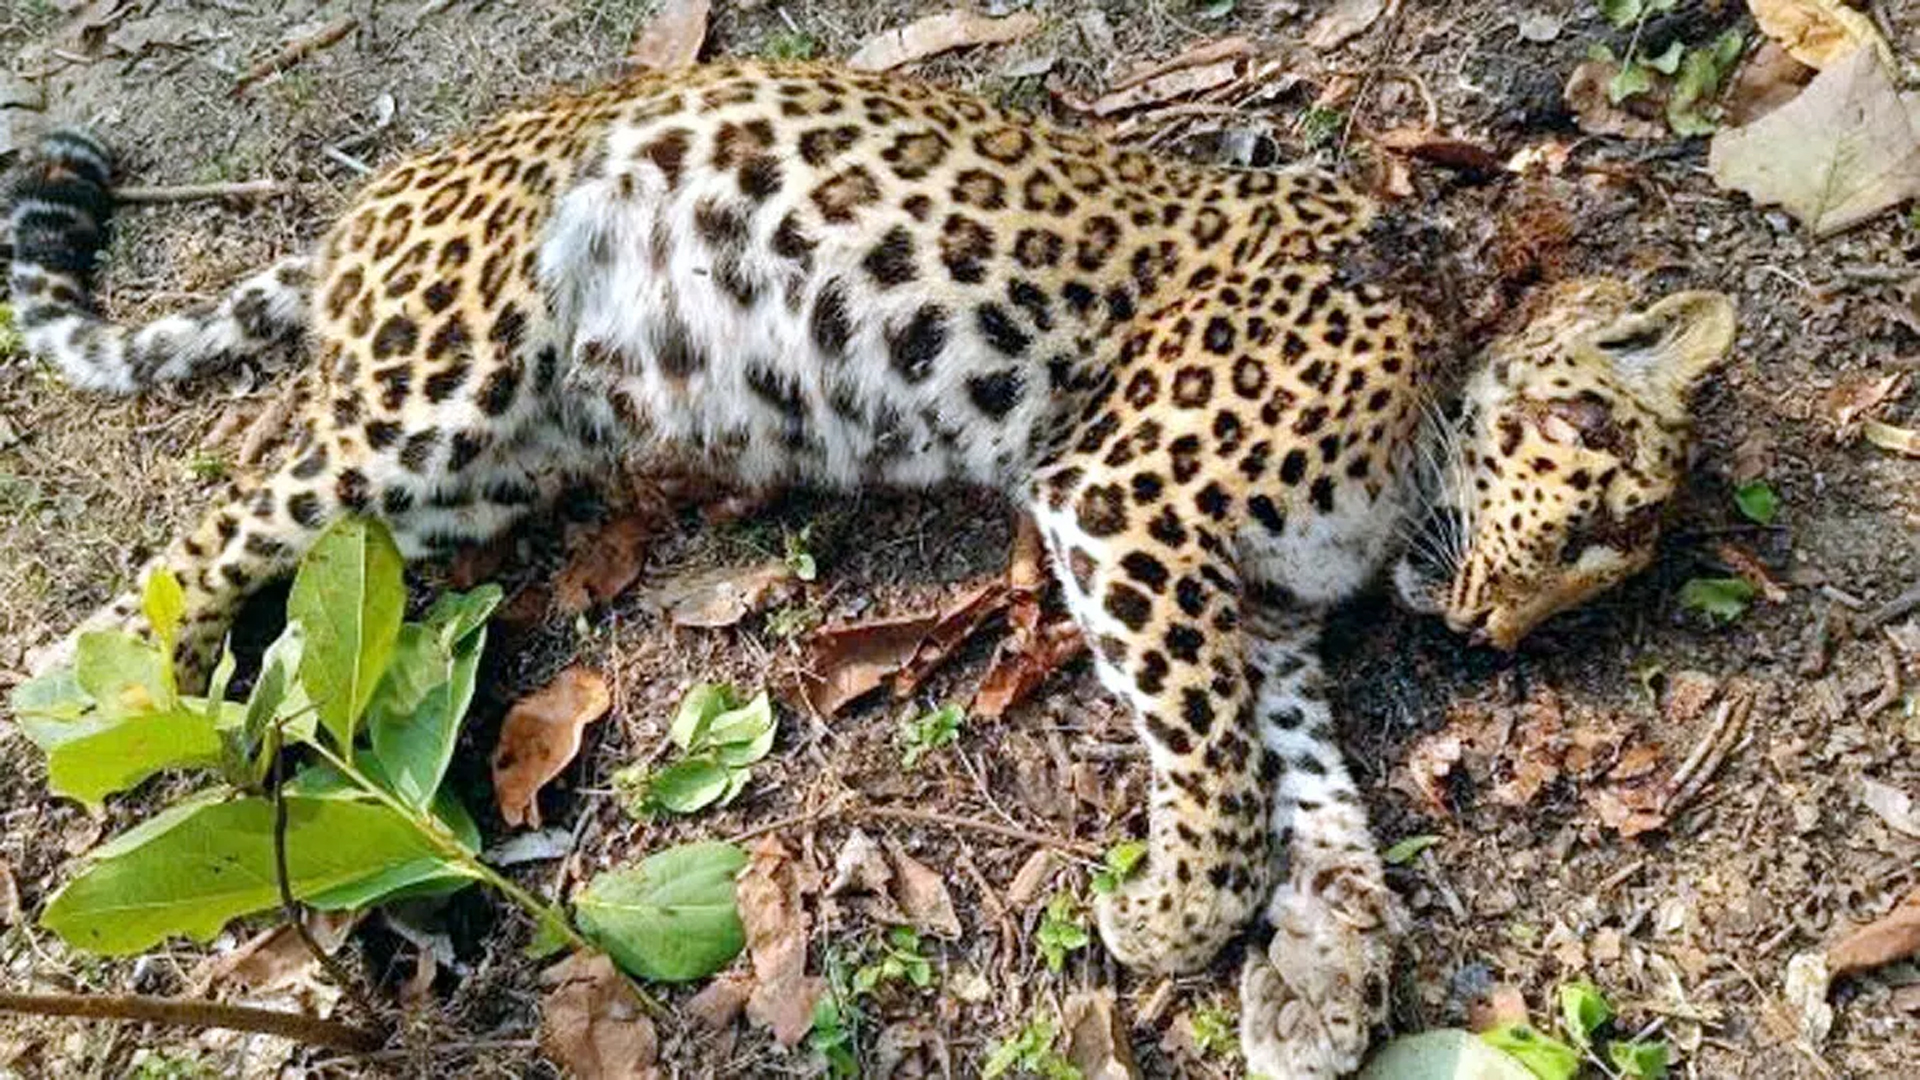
[{"x": 1687, "y": 927}]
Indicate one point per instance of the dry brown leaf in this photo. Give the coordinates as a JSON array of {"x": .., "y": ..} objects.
[
  {"x": 1629, "y": 809},
  {"x": 277, "y": 957},
  {"x": 1846, "y": 149},
  {"x": 1098, "y": 1042},
  {"x": 603, "y": 564},
  {"x": 1034, "y": 650},
  {"x": 848, "y": 662},
  {"x": 1689, "y": 693},
  {"x": 719, "y": 1002},
  {"x": 1440, "y": 149},
  {"x": 1816, "y": 32},
  {"x": 723, "y": 596},
  {"x": 540, "y": 737},
  {"x": 1894, "y": 936},
  {"x": 1855, "y": 399},
  {"x": 1586, "y": 95},
  {"x": 1204, "y": 67},
  {"x": 1895, "y": 807},
  {"x": 1751, "y": 570},
  {"x": 1502, "y": 1004},
  {"x": 769, "y": 896},
  {"x": 1343, "y": 22},
  {"x": 672, "y": 40},
  {"x": 591, "y": 1022},
  {"x": 935, "y": 34},
  {"x": 923, "y": 896},
  {"x": 1429, "y": 764},
  {"x": 1770, "y": 78},
  {"x": 1899, "y": 440},
  {"x": 1636, "y": 762}
]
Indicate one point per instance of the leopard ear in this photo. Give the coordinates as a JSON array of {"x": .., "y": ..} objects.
[{"x": 1663, "y": 350}]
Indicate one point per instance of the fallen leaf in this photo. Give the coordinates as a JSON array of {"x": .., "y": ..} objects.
[
  {"x": 923, "y": 896},
  {"x": 719, "y": 1002},
  {"x": 1637, "y": 761},
  {"x": 1899, "y": 440},
  {"x": 540, "y": 736},
  {"x": 1204, "y": 67},
  {"x": 1097, "y": 1041},
  {"x": 1538, "y": 746},
  {"x": 1689, "y": 693},
  {"x": 1033, "y": 876},
  {"x": 1844, "y": 150},
  {"x": 1443, "y": 1054},
  {"x": 1035, "y": 649},
  {"x": 1895, "y": 807},
  {"x": 672, "y": 40},
  {"x": 848, "y": 662},
  {"x": 1856, "y": 399},
  {"x": 935, "y": 34},
  {"x": 277, "y": 957},
  {"x": 1805, "y": 988},
  {"x": 911, "y": 1048},
  {"x": 1500, "y": 1005},
  {"x": 1770, "y": 78},
  {"x": 1816, "y": 32},
  {"x": 1751, "y": 570},
  {"x": 1894, "y": 936},
  {"x": 723, "y": 596},
  {"x": 591, "y": 1022},
  {"x": 603, "y": 564},
  {"x": 1440, "y": 149},
  {"x": 1596, "y": 114},
  {"x": 1344, "y": 21},
  {"x": 783, "y": 993},
  {"x": 1428, "y": 765},
  {"x": 862, "y": 870},
  {"x": 1629, "y": 810}
]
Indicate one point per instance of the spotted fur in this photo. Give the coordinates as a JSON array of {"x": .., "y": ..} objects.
[{"x": 805, "y": 275}]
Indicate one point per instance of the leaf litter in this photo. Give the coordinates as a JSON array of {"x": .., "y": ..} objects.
[
  {"x": 540, "y": 737},
  {"x": 773, "y": 912},
  {"x": 936, "y": 34},
  {"x": 592, "y": 1023}
]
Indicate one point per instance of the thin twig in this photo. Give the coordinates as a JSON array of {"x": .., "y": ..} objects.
[
  {"x": 290, "y": 907},
  {"x": 238, "y": 189},
  {"x": 1893, "y": 609},
  {"x": 1711, "y": 752},
  {"x": 311, "y": 1030},
  {"x": 295, "y": 51},
  {"x": 928, "y": 817}
]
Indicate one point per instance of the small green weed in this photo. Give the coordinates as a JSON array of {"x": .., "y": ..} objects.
[
  {"x": 922, "y": 735},
  {"x": 1063, "y": 929}
]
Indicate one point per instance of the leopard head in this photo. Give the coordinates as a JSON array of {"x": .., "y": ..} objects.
[{"x": 1569, "y": 440}]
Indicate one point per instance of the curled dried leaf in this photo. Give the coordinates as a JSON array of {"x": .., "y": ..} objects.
[
  {"x": 592, "y": 1024},
  {"x": 935, "y": 34},
  {"x": 540, "y": 737}
]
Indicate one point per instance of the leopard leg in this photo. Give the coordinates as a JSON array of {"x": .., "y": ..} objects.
[
  {"x": 1162, "y": 612},
  {"x": 1309, "y": 1000}
]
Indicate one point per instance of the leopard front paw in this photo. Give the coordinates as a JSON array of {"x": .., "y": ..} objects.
[
  {"x": 1158, "y": 922},
  {"x": 1308, "y": 1004}
]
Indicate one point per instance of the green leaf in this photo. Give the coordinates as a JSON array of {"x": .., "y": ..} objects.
[
  {"x": 743, "y": 735},
  {"x": 1757, "y": 502},
  {"x": 54, "y": 697},
  {"x": 1668, "y": 61},
  {"x": 1721, "y": 600},
  {"x": 1641, "y": 1060},
  {"x": 1061, "y": 931},
  {"x": 1546, "y": 1057},
  {"x": 697, "y": 710},
  {"x": 276, "y": 698},
  {"x": 1622, "y": 13},
  {"x": 549, "y": 938},
  {"x": 100, "y": 755},
  {"x": 1119, "y": 864},
  {"x": 687, "y": 786},
  {"x": 672, "y": 917},
  {"x": 414, "y": 720},
  {"x": 431, "y": 876},
  {"x": 456, "y": 616},
  {"x": 348, "y": 597},
  {"x": 1726, "y": 51},
  {"x": 1631, "y": 79},
  {"x": 195, "y": 867},
  {"x": 1409, "y": 849},
  {"x": 1582, "y": 1010},
  {"x": 165, "y": 603},
  {"x": 123, "y": 674}
]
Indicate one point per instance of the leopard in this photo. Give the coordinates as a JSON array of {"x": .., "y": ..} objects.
[{"x": 789, "y": 274}]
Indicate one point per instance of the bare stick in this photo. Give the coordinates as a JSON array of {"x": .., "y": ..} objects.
[
  {"x": 240, "y": 189},
  {"x": 295, "y": 51},
  {"x": 1707, "y": 758},
  {"x": 299, "y": 1027}
]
